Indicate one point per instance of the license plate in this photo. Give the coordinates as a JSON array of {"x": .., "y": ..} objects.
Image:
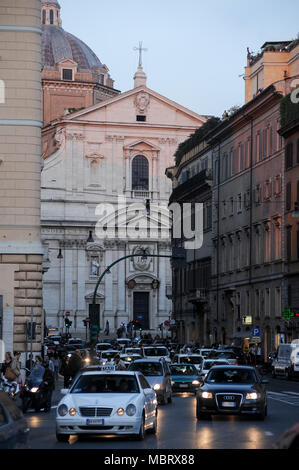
[
  {"x": 95, "y": 421},
  {"x": 229, "y": 404},
  {"x": 184, "y": 385}
]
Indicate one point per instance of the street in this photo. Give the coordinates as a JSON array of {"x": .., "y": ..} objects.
[{"x": 178, "y": 427}]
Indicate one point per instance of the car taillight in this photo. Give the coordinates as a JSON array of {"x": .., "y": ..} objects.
[{"x": 236, "y": 364}]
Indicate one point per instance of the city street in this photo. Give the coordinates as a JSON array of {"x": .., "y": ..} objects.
[{"x": 178, "y": 427}]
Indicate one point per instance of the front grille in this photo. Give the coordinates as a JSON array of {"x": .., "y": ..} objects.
[
  {"x": 95, "y": 428},
  {"x": 92, "y": 412},
  {"x": 229, "y": 397}
]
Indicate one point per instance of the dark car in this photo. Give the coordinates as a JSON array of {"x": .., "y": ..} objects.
[
  {"x": 224, "y": 354},
  {"x": 13, "y": 426},
  {"x": 232, "y": 390}
]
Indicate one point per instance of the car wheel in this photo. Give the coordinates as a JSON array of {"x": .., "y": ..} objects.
[
  {"x": 153, "y": 430},
  {"x": 163, "y": 399},
  {"x": 200, "y": 415},
  {"x": 141, "y": 434},
  {"x": 262, "y": 415},
  {"x": 25, "y": 405},
  {"x": 62, "y": 437}
]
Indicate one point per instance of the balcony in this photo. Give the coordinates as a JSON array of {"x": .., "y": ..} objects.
[
  {"x": 198, "y": 296},
  {"x": 199, "y": 182}
]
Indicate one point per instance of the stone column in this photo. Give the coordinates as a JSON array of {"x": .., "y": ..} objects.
[
  {"x": 81, "y": 306},
  {"x": 20, "y": 169},
  {"x": 108, "y": 279},
  {"x": 121, "y": 282},
  {"x": 68, "y": 279}
]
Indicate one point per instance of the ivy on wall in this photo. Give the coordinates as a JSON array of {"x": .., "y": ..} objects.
[
  {"x": 289, "y": 110},
  {"x": 196, "y": 138}
]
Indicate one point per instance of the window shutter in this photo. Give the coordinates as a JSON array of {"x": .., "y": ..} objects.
[{"x": 288, "y": 196}]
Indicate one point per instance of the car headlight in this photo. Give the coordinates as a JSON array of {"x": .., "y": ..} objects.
[
  {"x": 72, "y": 411},
  {"x": 34, "y": 389},
  {"x": 87, "y": 360},
  {"x": 172, "y": 382},
  {"x": 131, "y": 410},
  {"x": 62, "y": 410},
  {"x": 252, "y": 396},
  {"x": 120, "y": 411},
  {"x": 157, "y": 386},
  {"x": 195, "y": 382},
  {"x": 206, "y": 395}
]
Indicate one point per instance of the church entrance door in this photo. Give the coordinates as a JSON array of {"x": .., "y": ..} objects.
[{"x": 141, "y": 309}]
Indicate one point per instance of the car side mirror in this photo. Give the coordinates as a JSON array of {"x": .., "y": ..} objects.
[{"x": 64, "y": 391}]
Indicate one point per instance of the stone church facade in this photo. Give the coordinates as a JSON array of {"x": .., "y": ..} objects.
[{"x": 103, "y": 186}]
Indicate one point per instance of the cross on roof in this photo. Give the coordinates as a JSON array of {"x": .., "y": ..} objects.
[{"x": 140, "y": 49}]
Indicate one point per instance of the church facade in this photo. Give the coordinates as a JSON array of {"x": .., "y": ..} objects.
[{"x": 104, "y": 194}]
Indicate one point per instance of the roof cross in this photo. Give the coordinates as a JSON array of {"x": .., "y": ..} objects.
[{"x": 140, "y": 49}]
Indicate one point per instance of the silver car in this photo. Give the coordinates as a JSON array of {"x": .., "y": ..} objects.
[{"x": 158, "y": 375}]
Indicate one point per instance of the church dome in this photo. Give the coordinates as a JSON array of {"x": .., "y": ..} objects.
[{"x": 59, "y": 45}]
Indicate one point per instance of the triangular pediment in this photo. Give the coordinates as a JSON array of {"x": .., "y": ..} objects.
[
  {"x": 67, "y": 62},
  {"x": 124, "y": 108},
  {"x": 141, "y": 145}
]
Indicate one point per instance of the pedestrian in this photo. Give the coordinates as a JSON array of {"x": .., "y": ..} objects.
[
  {"x": 75, "y": 364},
  {"x": 252, "y": 352},
  {"x": 48, "y": 386},
  {"x": 106, "y": 331},
  {"x": 16, "y": 365},
  {"x": 64, "y": 371},
  {"x": 7, "y": 362},
  {"x": 50, "y": 362},
  {"x": 119, "y": 364},
  {"x": 57, "y": 364},
  {"x": 29, "y": 364},
  {"x": 258, "y": 355}
]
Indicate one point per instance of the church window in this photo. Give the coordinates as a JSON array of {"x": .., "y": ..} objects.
[
  {"x": 51, "y": 17},
  {"x": 140, "y": 173},
  {"x": 44, "y": 16},
  {"x": 101, "y": 79},
  {"x": 67, "y": 74},
  {"x": 140, "y": 118}
]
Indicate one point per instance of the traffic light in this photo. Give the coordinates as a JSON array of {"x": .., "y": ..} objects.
[
  {"x": 94, "y": 329},
  {"x": 68, "y": 322},
  {"x": 84, "y": 322}
]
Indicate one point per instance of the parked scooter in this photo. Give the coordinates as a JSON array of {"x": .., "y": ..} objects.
[
  {"x": 33, "y": 394},
  {"x": 11, "y": 388}
]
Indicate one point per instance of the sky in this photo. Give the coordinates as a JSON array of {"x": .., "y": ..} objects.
[{"x": 196, "y": 49}]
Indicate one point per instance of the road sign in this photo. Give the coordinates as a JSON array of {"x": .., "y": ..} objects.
[
  {"x": 256, "y": 332},
  {"x": 67, "y": 314},
  {"x": 166, "y": 323}
]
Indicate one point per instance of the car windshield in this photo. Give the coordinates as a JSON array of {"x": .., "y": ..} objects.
[
  {"x": 183, "y": 370},
  {"x": 149, "y": 369},
  {"x": 192, "y": 359},
  {"x": 228, "y": 376},
  {"x": 155, "y": 352},
  {"x": 109, "y": 355},
  {"x": 133, "y": 350},
  {"x": 205, "y": 353},
  {"x": 106, "y": 384},
  {"x": 226, "y": 354},
  {"x": 208, "y": 364}
]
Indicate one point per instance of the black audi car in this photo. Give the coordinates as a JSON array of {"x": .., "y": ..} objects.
[{"x": 232, "y": 390}]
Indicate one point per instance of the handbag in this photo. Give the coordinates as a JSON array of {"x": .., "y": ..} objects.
[{"x": 10, "y": 375}]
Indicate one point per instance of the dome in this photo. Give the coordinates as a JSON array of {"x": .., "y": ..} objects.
[{"x": 57, "y": 45}]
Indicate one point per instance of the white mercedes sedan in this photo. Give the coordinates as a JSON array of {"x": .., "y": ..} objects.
[{"x": 107, "y": 402}]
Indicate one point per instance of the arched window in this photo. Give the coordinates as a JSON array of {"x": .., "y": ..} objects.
[
  {"x": 51, "y": 17},
  {"x": 44, "y": 16},
  {"x": 140, "y": 173}
]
